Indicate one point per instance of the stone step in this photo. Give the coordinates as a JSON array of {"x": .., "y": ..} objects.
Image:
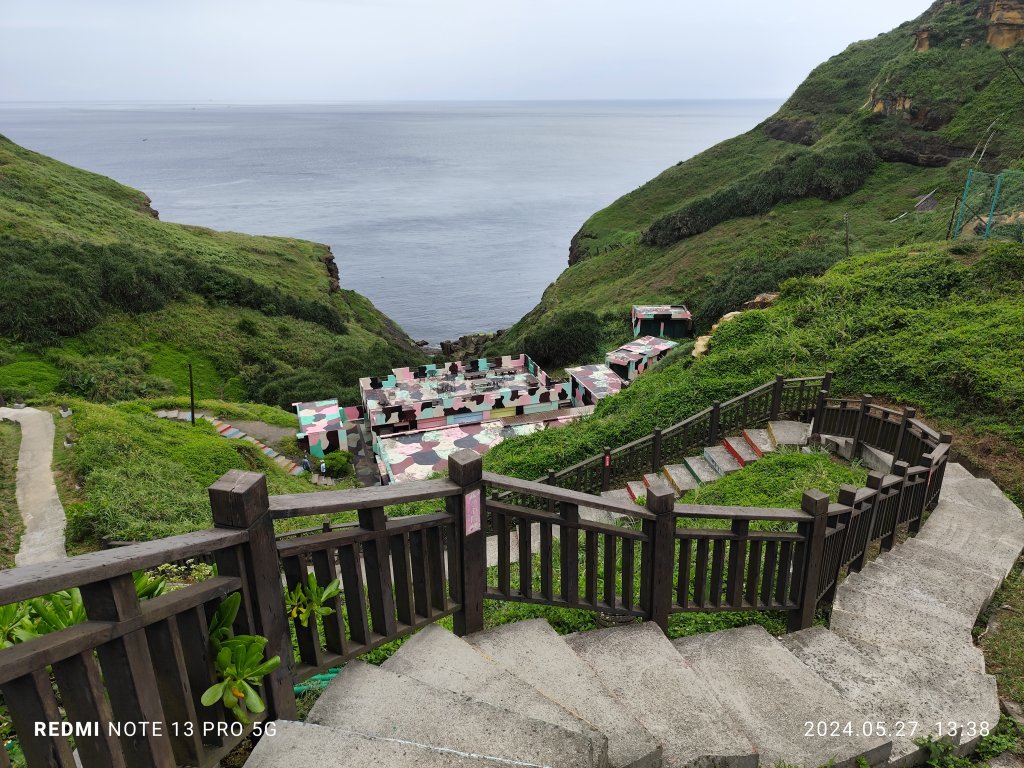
[
  {"x": 983, "y": 495},
  {"x": 721, "y": 460},
  {"x": 679, "y": 477},
  {"x": 740, "y": 450},
  {"x": 700, "y": 469},
  {"x": 376, "y": 702},
  {"x": 969, "y": 588},
  {"x": 842, "y": 446},
  {"x": 437, "y": 657},
  {"x": 958, "y": 607},
  {"x": 859, "y": 594},
  {"x": 895, "y": 688},
  {"x": 603, "y": 515},
  {"x": 640, "y": 667},
  {"x": 944, "y": 644},
  {"x": 876, "y": 460},
  {"x": 656, "y": 479},
  {"x": 759, "y": 440},
  {"x": 772, "y": 695},
  {"x": 789, "y": 433},
  {"x": 976, "y": 542},
  {"x": 532, "y": 651},
  {"x": 296, "y": 471},
  {"x": 307, "y": 744},
  {"x": 636, "y": 489}
]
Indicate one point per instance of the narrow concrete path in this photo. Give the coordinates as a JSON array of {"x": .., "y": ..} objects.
[{"x": 36, "y": 492}]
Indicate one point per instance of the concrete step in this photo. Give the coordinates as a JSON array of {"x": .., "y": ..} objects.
[
  {"x": 958, "y": 608},
  {"x": 842, "y": 446},
  {"x": 969, "y": 588},
  {"x": 896, "y": 688},
  {"x": 656, "y": 480},
  {"x": 636, "y": 489},
  {"x": 307, "y": 744},
  {"x": 437, "y": 657},
  {"x": 532, "y": 651},
  {"x": 740, "y": 450},
  {"x": 376, "y": 702},
  {"x": 989, "y": 548},
  {"x": 679, "y": 477},
  {"x": 700, "y": 469},
  {"x": 859, "y": 594},
  {"x": 876, "y": 460},
  {"x": 945, "y": 644},
  {"x": 603, "y": 515},
  {"x": 981, "y": 494},
  {"x": 640, "y": 667},
  {"x": 759, "y": 440},
  {"x": 789, "y": 433},
  {"x": 772, "y": 696},
  {"x": 721, "y": 460}
]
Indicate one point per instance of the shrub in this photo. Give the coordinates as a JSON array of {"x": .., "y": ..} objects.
[
  {"x": 339, "y": 463},
  {"x": 567, "y": 337}
]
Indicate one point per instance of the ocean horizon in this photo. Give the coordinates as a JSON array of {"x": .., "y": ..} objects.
[{"x": 452, "y": 217}]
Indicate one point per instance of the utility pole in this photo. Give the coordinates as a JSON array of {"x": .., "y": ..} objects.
[
  {"x": 192, "y": 394},
  {"x": 846, "y": 221}
]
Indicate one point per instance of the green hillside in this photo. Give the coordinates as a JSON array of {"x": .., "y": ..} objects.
[
  {"x": 937, "y": 326},
  {"x": 103, "y": 301},
  {"x": 868, "y": 132}
]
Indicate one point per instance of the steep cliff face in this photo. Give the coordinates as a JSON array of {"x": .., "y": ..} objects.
[{"x": 1005, "y": 23}]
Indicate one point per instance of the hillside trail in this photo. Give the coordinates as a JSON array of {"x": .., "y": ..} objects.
[{"x": 36, "y": 493}]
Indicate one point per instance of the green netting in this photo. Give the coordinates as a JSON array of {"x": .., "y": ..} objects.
[{"x": 992, "y": 206}]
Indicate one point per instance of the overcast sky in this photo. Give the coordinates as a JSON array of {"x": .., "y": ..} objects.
[{"x": 344, "y": 50}]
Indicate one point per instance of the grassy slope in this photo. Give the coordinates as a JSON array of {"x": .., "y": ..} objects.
[
  {"x": 718, "y": 269},
  {"x": 10, "y": 520},
  {"x": 56, "y": 221},
  {"x": 939, "y": 326}
]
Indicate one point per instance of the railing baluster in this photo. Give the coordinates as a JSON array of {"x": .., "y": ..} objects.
[
  {"x": 570, "y": 544},
  {"x": 683, "y": 576},
  {"x": 768, "y": 579},
  {"x": 379, "y": 589},
  {"x": 628, "y": 574},
  {"x": 405, "y": 600},
  {"x": 546, "y": 569},
  {"x": 590, "y": 580},
  {"x": 610, "y": 570},
  {"x": 525, "y": 558},
  {"x": 420, "y": 559},
  {"x": 754, "y": 573},
  {"x": 700, "y": 577},
  {"x": 737, "y": 561},
  {"x": 504, "y": 539},
  {"x": 195, "y": 648},
  {"x": 717, "y": 567},
  {"x": 175, "y": 691},
  {"x": 296, "y": 571},
  {"x": 355, "y": 593},
  {"x": 435, "y": 571},
  {"x": 85, "y": 701},
  {"x": 30, "y": 700}
]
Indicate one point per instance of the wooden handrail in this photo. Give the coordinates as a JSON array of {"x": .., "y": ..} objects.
[
  {"x": 356, "y": 535},
  {"x": 741, "y": 513},
  {"x": 553, "y": 492},
  {"x": 330, "y": 502},
  {"x": 28, "y": 581}
]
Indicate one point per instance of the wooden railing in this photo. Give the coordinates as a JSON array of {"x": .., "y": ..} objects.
[
  {"x": 138, "y": 662},
  {"x": 790, "y": 398}
]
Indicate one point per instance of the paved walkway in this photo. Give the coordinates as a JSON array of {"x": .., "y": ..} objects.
[{"x": 36, "y": 492}]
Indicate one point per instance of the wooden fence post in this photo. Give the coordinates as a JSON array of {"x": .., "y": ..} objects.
[
  {"x": 661, "y": 501},
  {"x": 656, "y": 450},
  {"x": 465, "y": 468},
  {"x": 908, "y": 414},
  {"x": 814, "y": 503},
  {"x": 819, "y": 413},
  {"x": 875, "y": 480},
  {"x": 606, "y": 469},
  {"x": 239, "y": 500},
  {"x": 714, "y": 421},
  {"x": 780, "y": 382},
  {"x": 826, "y": 383},
  {"x": 552, "y": 483},
  {"x": 858, "y": 429},
  {"x": 899, "y": 468}
]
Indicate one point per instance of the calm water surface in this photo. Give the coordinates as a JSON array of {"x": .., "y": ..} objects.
[{"x": 451, "y": 217}]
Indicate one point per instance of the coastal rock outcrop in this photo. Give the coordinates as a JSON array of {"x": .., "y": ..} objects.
[{"x": 332, "y": 272}]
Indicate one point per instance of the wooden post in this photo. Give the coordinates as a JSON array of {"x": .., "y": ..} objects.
[
  {"x": 888, "y": 541},
  {"x": 128, "y": 672},
  {"x": 819, "y": 412},
  {"x": 551, "y": 482},
  {"x": 780, "y": 382},
  {"x": 716, "y": 417},
  {"x": 737, "y": 562},
  {"x": 874, "y": 483},
  {"x": 908, "y": 414},
  {"x": 814, "y": 503},
  {"x": 569, "y": 543},
  {"x": 239, "y": 500},
  {"x": 661, "y": 501},
  {"x": 858, "y": 429},
  {"x": 826, "y": 383},
  {"x": 606, "y": 469},
  {"x": 191, "y": 395},
  {"x": 656, "y": 450},
  {"x": 465, "y": 468}
]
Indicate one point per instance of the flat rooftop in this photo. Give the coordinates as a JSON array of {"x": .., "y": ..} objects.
[
  {"x": 640, "y": 349},
  {"x": 661, "y": 312}
]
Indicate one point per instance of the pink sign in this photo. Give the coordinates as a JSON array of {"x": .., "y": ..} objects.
[{"x": 473, "y": 511}]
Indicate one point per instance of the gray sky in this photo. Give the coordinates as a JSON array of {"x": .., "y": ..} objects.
[{"x": 340, "y": 50}]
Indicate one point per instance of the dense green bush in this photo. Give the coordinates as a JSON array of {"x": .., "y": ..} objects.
[
  {"x": 339, "y": 463},
  {"x": 829, "y": 174},
  {"x": 567, "y": 337}
]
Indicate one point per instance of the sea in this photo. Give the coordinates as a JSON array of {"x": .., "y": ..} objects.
[{"x": 451, "y": 217}]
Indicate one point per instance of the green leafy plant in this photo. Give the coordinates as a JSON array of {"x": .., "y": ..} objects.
[
  {"x": 942, "y": 754},
  {"x": 339, "y": 463},
  {"x": 309, "y": 599},
  {"x": 239, "y": 663},
  {"x": 1005, "y": 738},
  {"x": 15, "y": 624},
  {"x": 147, "y": 587},
  {"x": 57, "y": 611}
]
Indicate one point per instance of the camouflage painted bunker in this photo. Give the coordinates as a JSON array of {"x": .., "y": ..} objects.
[
  {"x": 591, "y": 383},
  {"x": 667, "y": 320},
  {"x": 635, "y": 357},
  {"x": 446, "y": 394},
  {"x": 321, "y": 427}
]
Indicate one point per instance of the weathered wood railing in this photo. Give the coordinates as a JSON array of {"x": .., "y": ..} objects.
[
  {"x": 791, "y": 398},
  {"x": 148, "y": 662}
]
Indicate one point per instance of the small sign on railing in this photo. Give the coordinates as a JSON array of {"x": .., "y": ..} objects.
[{"x": 473, "y": 524}]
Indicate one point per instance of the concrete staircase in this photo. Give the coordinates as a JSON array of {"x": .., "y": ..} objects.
[
  {"x": 897, "y": 660},
  {"x": 730, "y": 455}
]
